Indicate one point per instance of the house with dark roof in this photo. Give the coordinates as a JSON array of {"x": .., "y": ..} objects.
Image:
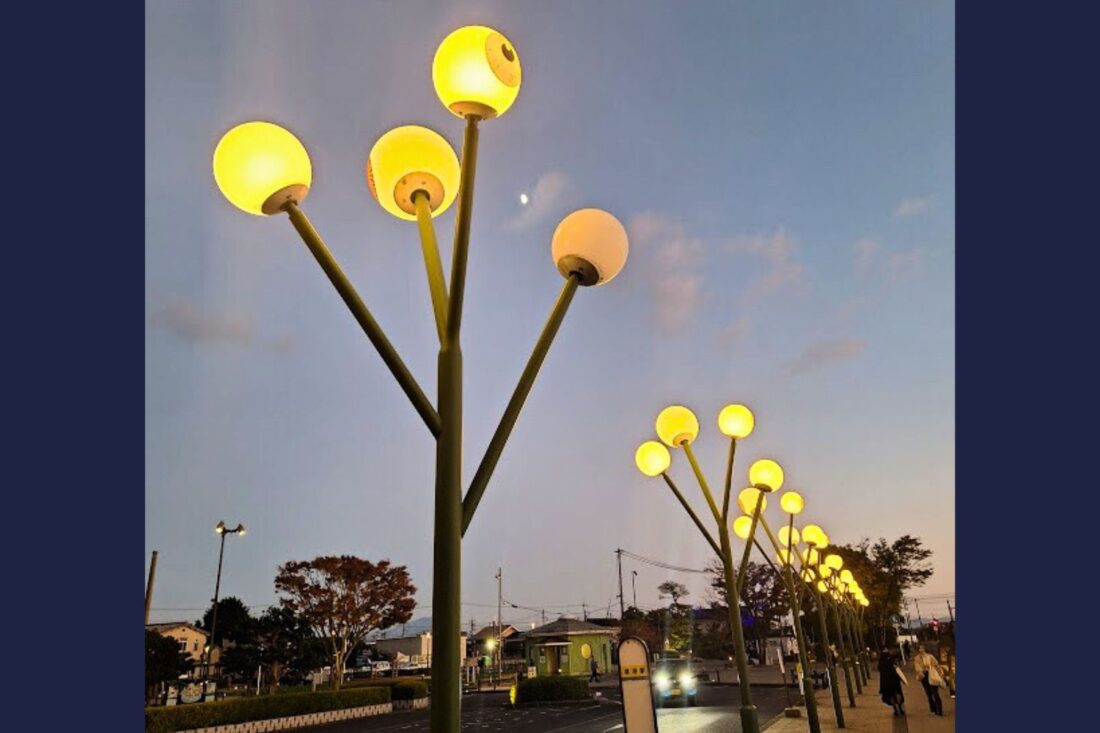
[{"x": 568, "y": 646}]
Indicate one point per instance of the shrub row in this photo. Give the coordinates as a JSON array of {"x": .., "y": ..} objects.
[
  {"x": 549, "y": 689},
  {"x": 243, "y": 710},
  {"x": 409, "y": 690}
]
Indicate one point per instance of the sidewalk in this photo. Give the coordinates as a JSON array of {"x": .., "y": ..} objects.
[{"x": 870, "y": 714}]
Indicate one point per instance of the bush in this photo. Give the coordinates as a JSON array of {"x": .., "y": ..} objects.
[
  {"x": 548, "y": 689},
  {"x": 243, "y": 710},
  {"x": 409, "y": 690}
]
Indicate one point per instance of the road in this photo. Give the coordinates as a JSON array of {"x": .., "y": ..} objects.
[{"x": 716, "y": 712}]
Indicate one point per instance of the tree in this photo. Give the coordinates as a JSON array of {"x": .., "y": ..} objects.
[
  {"x": 886, "y": 571},
  {"x": 164, "y": 661},
  {"x": 764, "y": 599},
  {"x": 282, "y": 644},
  {"x": 640, "y": 624},
  {"x": 234, "y": 621},
  {"x": 343, "y": 598},
  {"x": 677, "y": 627}
]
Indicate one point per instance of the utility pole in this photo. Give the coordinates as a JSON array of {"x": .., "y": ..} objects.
[
  {"x": 622, "y": 607},
  {"x": 500, "y": 638},
  {"x": 920, "y": 621},
  {"x": 584, "y": 610},
  {"x": 634, "y": 585},
  {"x": 149, "y": 587},
  {"x": 949, "y": 611}
]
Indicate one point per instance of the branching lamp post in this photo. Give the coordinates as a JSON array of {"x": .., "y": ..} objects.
[
  {"x": 677, "y": 427},
  {"x": 415, "y": 175},
  {"x": 208, "y": 650},
  {"x": 792, "y": 503}
]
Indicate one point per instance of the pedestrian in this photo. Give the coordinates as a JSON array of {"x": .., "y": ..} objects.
[
  {"x": 927, "y": 669},
  {"x": 595, "y": 675},
  {"x": 905, "y": 648},
  {"x": 889, "y": 683}
]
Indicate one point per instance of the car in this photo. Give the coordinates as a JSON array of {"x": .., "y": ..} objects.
[{"x": 674, "y": 680}]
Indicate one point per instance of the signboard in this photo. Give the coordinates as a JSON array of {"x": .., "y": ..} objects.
[
  {"x": 191, "y": 693},
  {"x": 639, "y": 715}
]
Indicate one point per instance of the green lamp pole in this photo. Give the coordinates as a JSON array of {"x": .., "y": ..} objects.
[
  {"x": 816, "y": 541},
  {"x": 678, "y": 427},
  {"x": 414, "y": 174}
]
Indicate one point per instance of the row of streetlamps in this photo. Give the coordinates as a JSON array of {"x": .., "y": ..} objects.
[{"x": 825, "y": 578}]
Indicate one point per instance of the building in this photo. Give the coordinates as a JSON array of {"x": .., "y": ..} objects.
[
  {"x": 508, "y": 637},
  {"x": 567, "y": 646},
  {"x": 417, "y": 648},
  {"x": 191, "y": 639}
]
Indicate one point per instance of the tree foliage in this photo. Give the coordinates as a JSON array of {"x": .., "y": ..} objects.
[
  {"x": 343, "y": 598},
  {"x": 164, "y": 661},
  {"x": 234, "y": 621},
  {"x": 886, "y": 571},
  {"x": 764, "y": 600},
  {"x": 282, "y": 644}
]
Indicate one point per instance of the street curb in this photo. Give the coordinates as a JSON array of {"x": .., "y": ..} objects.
[{"x": 772, "y": 722}]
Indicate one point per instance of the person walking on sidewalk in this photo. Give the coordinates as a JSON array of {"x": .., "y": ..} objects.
[
  {"x": 595, "y": 676},
  {"x": 927, "y": 668},
  {"x": 889, "y": 682}
]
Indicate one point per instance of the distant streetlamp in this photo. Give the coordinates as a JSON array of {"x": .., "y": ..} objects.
[
  {"x": 208, "y": 649},
  {"x": 414, "y": 175},
  {"x": 677, "y": 427}
]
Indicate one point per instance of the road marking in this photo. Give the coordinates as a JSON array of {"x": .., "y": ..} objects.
[{"x": 614, "y": 727}]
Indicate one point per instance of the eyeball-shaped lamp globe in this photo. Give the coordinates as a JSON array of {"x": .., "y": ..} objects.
[
  {"x": 810, "y": 555},
  {"x": 792, "y": 502},
  {"x": 821, "y": 587},
  {"x": 846, "y": 576},
  {"x": 836, "y": 562},
  {"x": 742, "y": 526},
  {"x": 652, "y": 458},
  {"x": 808, "y": 575},
  {"x": 812, "y": 534},
  {"x": 736, "y": 421},
  {"x": 825, "y": 571},
  {"x": 412, "y": 159},
  {"x": 590, "y": 244},
  {"x": 788, "y": 536},
  {"x": 784, "y": 557},
  {"x": 677, "y": 425},
  {"x": 260, "y": 167},
  {"x": 476, "y": 71},
  {"x": 746, "y": 500},
  {"x": 864, "y": 602},
  {"x": 766, "y": 474}
]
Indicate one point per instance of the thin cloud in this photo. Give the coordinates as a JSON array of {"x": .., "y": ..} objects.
[
  {"x": 905, "y": 264},
  {"x": 735, "y": 332},
  {"x": 674, "y": 260},
  {"x": 913, "y": 206},
  {"x": 827, "y": 351},
  {"x": 785, "y": 272},
  {"x": 188, "y": 323},
  {"x": 864, "y": 253},
  {"x": 546, "y": 198}
]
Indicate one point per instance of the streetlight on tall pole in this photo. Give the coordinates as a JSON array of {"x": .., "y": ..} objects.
[
  {"x": 634, "y": 585},
  {"x": 677, "y": 427},
  {"x": 221, "y": 530},
  {"x": 415, "y": 175}
]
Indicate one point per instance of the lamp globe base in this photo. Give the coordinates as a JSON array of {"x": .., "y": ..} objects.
[
  {"x": 276, "y": 201},
  {"x": 585, "y": 270}
]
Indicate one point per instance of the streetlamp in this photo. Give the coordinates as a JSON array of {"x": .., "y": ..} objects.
[
  {"x": 678, "y": 427},
  {"x": 412, "y": 173},
  {"x": 828, "y": 567},
  {"x": 816, "y": 541},
  {"x": 792, "y": 503},
  {"x": 220, "y": 529}
]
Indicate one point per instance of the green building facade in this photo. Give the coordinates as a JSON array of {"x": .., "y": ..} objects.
[{"x": 567, "y": 646}]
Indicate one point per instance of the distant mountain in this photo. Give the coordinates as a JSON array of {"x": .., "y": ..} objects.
[{"x": 412, "y": 628}]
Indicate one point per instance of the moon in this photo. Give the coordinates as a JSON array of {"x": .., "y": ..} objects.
[{"x": 523, "y": 199}]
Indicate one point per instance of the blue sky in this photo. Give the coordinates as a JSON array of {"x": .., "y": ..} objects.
[{"x": 785, "y": 171}]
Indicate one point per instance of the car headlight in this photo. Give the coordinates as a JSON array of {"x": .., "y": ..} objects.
[
  {"x": 663, "y": 682},
  {"x": 687, "y": 681}
]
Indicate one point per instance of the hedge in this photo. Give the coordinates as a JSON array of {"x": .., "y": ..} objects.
[
  {"x": 409, "y": 690},
  {"x": 243, "y": 710},
  {"x": 548, "y": 689}
]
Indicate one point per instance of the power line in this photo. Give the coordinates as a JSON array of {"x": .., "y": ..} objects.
[{"x": 661, "y": 564}]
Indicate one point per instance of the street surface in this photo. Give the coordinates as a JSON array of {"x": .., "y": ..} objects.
[{"x": 716, "y": 712}]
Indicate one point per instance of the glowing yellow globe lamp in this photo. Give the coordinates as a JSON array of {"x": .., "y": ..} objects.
[
  {"x": 822, "y": 587},
  {"x": 652, "y": 458},
  {"x": 409, "y": 159},
  {"x": 476, "y": 71},
  {"x": 676, "y": 425},
  {"x": 788, "y": 536},
  {"x": 808, "y": 575},
  {"x": 260, "y": 167},
  {"x": 825, "y": 571},
  {"x": 592, "y": 245},
  {"x": 864, "y": 602},
  {"x": 836, "y": 562},
  {"x": 766, "y": 474},
  {"x": 736, "y": 421},
  {"x": 846, "y": 576},
  {"x": 746, "y": 501},
  {"x": 813, "y": 535},
  {"x": 741, "y": 526},
  {"x": 784, "y": 557},
  {"x": 809, "y": 556},
  {"x": 491, "y": 644},
  {"x": 792, "y": 502}
]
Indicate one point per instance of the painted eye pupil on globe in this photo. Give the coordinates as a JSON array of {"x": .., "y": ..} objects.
[{"x": 508, "y": 53}]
